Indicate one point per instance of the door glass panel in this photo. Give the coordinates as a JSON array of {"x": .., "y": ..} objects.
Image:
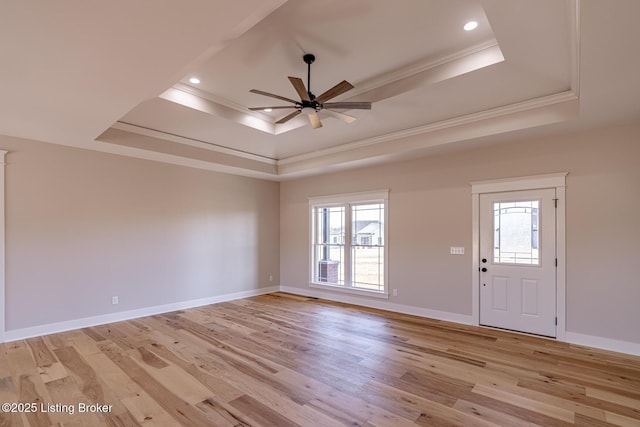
[{"x": 515, "y": 227}]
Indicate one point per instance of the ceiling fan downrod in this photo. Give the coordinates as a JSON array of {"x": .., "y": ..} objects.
[{"x": 308, "y": 58}]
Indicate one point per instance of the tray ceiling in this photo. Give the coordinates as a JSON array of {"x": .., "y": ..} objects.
[{"x": 431, "y": 83}]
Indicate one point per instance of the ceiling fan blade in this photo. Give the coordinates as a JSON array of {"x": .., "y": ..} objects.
[
  {"x": 344, "y": 117},
  {"x": 348, "y": 105},
  {"x": 279, "y": 107},
  {"x": 338, "y": 89},
  {"x": 314, "y": 119},
  {"x": 289, "y": 117},
  {"x": 298, "y": 85},
  {"x": 260, "y": 92}
]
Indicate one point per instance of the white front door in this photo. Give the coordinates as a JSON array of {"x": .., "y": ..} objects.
[{"x": 518, "y": 261}]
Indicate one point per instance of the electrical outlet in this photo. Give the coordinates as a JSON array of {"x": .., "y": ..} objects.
[
  {"x": 395, "y": 292},
  {"x": 457, "y": 250},
  {"x": 114, "y": 300},
  {"x": 271, "y": 278}
]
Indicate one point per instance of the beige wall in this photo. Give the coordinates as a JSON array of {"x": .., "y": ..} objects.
[
  {"x": 83, "y": 226},
  {"x": 430, "y": 210}
]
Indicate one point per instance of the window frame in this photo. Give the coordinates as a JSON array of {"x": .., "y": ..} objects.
[{"x": 347, "y": 200}]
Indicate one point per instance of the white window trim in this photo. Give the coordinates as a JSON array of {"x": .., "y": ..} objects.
[
  {"x": 339, "y": 200},
  {"x": 347, "y": 290},
  {"x": 534, "y": 182},
  {"x": 362, "y": 196}
]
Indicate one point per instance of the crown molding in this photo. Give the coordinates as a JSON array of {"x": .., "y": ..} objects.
[
  {"x": 205, "y": 105},
  {"x": 128, "y": 127},
  {"x": 173, "y": 159},
  {"x": 499, "y": 120},
  {"x": 489, "y": 49},
  {"x": 220, "y": 100},
  {"x": 438, "y": 126}
]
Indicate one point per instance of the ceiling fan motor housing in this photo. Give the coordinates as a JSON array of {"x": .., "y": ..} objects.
[{"x": 314, "y": 105}]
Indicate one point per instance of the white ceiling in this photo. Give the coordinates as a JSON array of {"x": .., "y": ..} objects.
[{"x": 115, "y": 76}]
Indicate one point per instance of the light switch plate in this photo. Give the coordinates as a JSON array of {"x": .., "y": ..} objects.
[{"x": 457, "y": 250}]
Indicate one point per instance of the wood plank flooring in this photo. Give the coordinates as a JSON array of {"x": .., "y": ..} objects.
[{"x": 282, "y": 360}]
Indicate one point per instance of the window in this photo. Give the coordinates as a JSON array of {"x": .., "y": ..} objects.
[
  {"x": 348, "y": 242},
  {"x": 516, "y": 232}
]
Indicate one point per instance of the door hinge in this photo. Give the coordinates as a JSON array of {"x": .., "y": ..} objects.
[
  {"x": 556, "y": 321},
  {"x": 555, "y": 203},
  {"x": 556, "y": 262}
]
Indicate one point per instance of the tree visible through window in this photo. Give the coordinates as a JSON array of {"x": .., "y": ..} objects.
[{"x": 348, "y": 241}]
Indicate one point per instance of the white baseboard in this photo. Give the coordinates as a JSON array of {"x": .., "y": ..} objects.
[
  {"x": 380, "y": 304},
  {"x": 626, "y": 347},
  {"x": 619, "y": 346},
  {"x": 52, "y": 328}
]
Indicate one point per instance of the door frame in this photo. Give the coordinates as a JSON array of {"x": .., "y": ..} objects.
[
  {"x": 3, "y": 153},
  {"x": 534, "y": 182}
]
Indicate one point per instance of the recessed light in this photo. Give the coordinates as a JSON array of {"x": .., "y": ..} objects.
[
  {"x": 268, "y": 110},
  {"x": 470, "y": 26},
  {"x": 194, "y": 80}
]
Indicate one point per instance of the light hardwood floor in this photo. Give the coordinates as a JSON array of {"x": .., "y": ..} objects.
[{"x": 281, "y": 360}]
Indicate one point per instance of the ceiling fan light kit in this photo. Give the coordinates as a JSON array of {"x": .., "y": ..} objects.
[{"x": 310, "y": 104}]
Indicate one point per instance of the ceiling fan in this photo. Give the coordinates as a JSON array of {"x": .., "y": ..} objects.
[{"x": 311, "y": 104}]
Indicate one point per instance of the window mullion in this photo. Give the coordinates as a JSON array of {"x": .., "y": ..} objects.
[{"x": 347, "y": 246}]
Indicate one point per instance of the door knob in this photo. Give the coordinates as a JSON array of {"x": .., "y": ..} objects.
[
  {"x": 483, "y": 269},
  {"x": 484, "y": 260}
]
